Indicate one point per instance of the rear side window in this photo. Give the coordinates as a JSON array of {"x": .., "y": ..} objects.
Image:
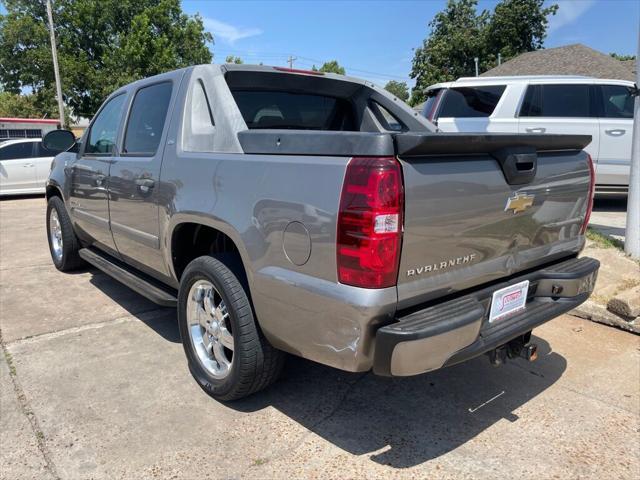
[
  {"x": 41, "y": 151},
  {"x": 556, "y": 101},
  {"x": 618, "y": 101},
  {"x": 466, "y": 102},
  {"x": 16, "y": 151},
  {"x": 275, "y": 109},
  {"x": 387, "y": 119},
  {"x": 147, "y": 118}
]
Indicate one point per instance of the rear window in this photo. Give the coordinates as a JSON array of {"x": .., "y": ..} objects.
[
  {"x": 468, "y": 102},
  {"x": 274, "y": 109},
  {"x": 430, "y": 104},
  {"x": 556, "y": 101},
  {"x": 618, "y": 101}
]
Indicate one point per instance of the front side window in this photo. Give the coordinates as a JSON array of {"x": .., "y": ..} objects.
[
  {"x": 147, "y": 119},
  {"x": 571, "y": 101},
  {"x": 471, "y": 102},
  {"x": 618, "y": 101},
  {"x": 102, "y": 136},
  {"x": 16, "y": 151}
]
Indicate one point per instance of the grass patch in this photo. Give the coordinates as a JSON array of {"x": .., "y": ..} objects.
[
  {"x": 259, "y": 461},
  {"x": 604, "y": 241}
]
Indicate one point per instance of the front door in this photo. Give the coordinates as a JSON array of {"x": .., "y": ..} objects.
[
  {"x": 89, "y": 175},
  {"x": 616, "y": 131},
  {"x": 134, "y": 176}
]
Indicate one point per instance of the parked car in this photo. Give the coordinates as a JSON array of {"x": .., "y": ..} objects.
[
  {"x": 24, "y": 166},
  {"x": 294, "y": 211},
  {"x": 600, "y": 108}
]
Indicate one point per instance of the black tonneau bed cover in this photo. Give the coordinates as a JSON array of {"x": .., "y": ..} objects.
[{"x": 349, "y": 144}]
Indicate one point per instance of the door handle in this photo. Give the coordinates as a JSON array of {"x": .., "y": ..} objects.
[
  {"x": 145, "y": 184},
  {"x": 616, "y": 132},
  {"x": 28, "y": 165},
  {"x": 536, "y": 130}
]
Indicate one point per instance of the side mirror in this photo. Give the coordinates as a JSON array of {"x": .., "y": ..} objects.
[{"x": 59, "y": 140}]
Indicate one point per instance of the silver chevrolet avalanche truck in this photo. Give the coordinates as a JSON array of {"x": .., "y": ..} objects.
[{"x": 282, "y": 210}]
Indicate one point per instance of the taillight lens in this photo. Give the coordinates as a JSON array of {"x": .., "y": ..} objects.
[
  {"x": 592, "y": 186},
  {"x": 370, "y": 223}
]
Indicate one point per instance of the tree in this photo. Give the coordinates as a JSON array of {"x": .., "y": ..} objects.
[
  {"x": 232, "y": 59},
  {"x": 456, "y": 38},
  {"x": 622, "y": 58},
  {"x": 102, "y": 45},
  {"x": 330, "y": 67},
  {"x": 459, "y": 34},
  {"x": 399, "y": 89},
  {"x": 14, "y": 105},
  {"x": 517, "y": 26}
]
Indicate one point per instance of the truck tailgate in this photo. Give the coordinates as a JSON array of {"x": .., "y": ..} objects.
[{"x": 471, "y": 218}]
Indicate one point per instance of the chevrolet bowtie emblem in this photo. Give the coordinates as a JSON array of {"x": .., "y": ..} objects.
[{"x": 519, "y": 202}]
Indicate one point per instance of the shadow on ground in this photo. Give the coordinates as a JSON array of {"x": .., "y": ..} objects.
[
  {"x": 400, "y": 422},
  {"x": 162, "y": 320}
]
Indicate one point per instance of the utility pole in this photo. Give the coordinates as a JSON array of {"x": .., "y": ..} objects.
[
  {"x": 499, "y": 59},
  {"x": 476, "y": 60},
  {"x": 632, "y": 235},
  {"x": 56, "y": 71},
  {"x": 291, "y": 59}
]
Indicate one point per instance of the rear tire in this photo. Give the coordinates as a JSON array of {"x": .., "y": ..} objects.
[
  {"x": 63, "y": 243},
  {"x": 227, "y": 353}
]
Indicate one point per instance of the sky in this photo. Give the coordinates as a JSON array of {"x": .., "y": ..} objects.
[{"x": 375, "y": 39}]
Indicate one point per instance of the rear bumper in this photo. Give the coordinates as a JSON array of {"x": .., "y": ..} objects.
[{"x": 456, "y": 330}]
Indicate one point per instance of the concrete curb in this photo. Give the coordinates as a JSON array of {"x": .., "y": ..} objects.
[{"x": 595, "y": 312}]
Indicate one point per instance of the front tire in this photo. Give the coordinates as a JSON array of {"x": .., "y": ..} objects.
[
  {"x": 227, "y": 353},
  {"x": 63, "y": 243}
]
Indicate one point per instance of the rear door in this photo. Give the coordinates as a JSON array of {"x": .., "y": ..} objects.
[
  {"x": 134, "y": 176},
  {"x": 616, "y": 132},
  {"x": 17, "y": 170},
  {"x": 562, "y": 109},
  {"x": 89, "y": 174}
]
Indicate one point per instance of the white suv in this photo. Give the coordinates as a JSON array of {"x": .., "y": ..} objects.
[{"x": 545, "y": 104}]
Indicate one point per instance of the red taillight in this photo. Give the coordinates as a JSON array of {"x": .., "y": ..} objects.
[
  {"x": 370, "y": 223},
  {"x": 592, "y": 185}
]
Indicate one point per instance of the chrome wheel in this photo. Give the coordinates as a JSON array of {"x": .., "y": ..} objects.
[
  {"x": 55, "y": 235},
  {"x": 210, "y": 329}
]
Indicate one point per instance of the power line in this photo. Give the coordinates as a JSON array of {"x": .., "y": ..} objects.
[{"x": 287, "y": 56}]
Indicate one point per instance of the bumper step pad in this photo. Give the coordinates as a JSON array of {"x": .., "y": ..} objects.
[{"x": 458, "y": 329}]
